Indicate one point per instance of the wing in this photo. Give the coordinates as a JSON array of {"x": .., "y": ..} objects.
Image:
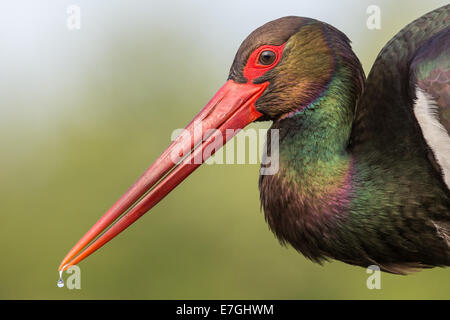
[
  {"x": 401, "y": 129},
  {"x": 404, "y": 109},
  {"x": 430, "y": 78}
]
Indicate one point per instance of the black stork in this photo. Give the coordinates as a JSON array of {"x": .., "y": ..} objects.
[{"x": 364, "y": 165}]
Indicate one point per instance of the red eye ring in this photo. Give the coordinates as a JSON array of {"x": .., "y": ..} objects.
[{"x": 255, "y": 69}]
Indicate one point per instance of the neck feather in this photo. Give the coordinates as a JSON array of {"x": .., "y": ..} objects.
[{"x": 313, "y": 186}]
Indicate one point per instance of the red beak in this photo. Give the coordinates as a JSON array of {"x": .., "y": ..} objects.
[{"x": 232, "y": 107}]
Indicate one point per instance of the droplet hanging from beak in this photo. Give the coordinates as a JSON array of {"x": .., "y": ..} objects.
[{"x": 60, "y": 282}]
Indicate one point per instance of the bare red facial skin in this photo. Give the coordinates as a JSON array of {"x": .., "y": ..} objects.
[{"x": 253, "y": 69}]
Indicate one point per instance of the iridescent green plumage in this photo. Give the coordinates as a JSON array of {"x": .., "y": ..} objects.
[{"x": 357, "y": 181}]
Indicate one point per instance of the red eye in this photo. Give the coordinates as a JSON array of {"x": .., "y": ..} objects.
[{"x": 262, "y": 60}]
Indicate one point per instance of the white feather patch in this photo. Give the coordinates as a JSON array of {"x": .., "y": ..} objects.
[{"x": 436, "y": 136}]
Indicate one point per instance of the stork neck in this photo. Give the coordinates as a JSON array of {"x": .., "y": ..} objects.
[
  {"x": 321, "y": 130},
  {"x": 315, "y": 178},
  {"x": 313, "y": 187}
]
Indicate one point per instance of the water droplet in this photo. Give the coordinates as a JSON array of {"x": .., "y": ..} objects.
[{"x": 60, "y": 282}]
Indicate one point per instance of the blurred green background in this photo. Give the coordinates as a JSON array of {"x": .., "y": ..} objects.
[{"x": 85, "y": 112}]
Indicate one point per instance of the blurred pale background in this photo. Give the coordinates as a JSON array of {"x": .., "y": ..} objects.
[{"x": 84, "y": 112}]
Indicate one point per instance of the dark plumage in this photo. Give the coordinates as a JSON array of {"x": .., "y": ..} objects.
[{"x": 357, "y": 180}]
